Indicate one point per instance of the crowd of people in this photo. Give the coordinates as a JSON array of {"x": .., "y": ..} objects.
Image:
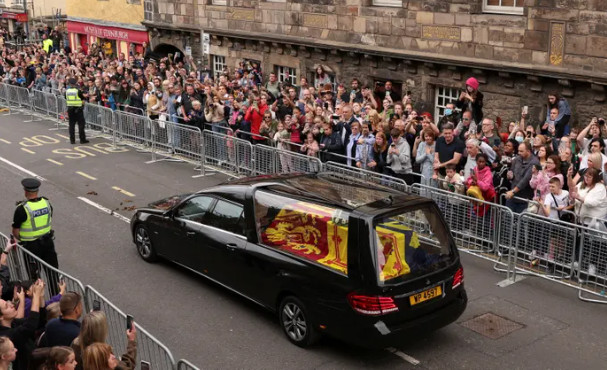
[
  {"x": 54, "y": 333},
  {"x": 543, "y": 165}
]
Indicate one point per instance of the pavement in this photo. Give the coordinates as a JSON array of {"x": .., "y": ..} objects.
[{"x": 216, "y": 329}]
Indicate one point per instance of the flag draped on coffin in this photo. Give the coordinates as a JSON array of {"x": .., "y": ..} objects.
[
  {"x": 310, "y": 231},
  {"x": 314, "y": 232}
]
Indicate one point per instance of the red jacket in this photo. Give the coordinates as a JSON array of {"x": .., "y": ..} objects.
[{"x": 255, "y": 118}]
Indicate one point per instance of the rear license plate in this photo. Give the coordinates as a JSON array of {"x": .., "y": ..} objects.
[{"x": 426, "y": 295}]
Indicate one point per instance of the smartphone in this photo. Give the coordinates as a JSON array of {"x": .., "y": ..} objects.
[
  {"x": 525, "y": 109},
  {"x": 129, "y": 322},
  {"x": 144, "y": 365},
  {"x": 327, "y": 106},
  {"x": 96, "y": 305},
  {"x": 61, "y": 279},
  {"x": 408, "y": 92}
]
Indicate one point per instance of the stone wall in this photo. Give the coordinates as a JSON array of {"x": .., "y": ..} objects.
[{"x": 565, "y": 36}]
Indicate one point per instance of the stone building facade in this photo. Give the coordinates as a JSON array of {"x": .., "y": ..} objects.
[{"x": 520, "y": 50}]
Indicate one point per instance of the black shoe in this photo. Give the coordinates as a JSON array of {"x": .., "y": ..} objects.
[
  {"x": 72, "y": 142},
  {"x": 84, "y": 141}
]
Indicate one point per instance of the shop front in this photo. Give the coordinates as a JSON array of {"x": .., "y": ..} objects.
[
  {"x": 111, "y": 40},
  {"x": 13, "y": 21}
]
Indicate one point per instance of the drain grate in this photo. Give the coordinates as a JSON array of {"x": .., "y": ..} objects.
[{"x": 491, "y": 325}]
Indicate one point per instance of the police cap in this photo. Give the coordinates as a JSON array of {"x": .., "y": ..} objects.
[
  {"x": 30, "y": 184},
  {"x": 72, "y": 81}
]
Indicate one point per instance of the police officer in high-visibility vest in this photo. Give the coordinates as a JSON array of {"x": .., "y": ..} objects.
[
  {"x": 32, "y": 223},
  {"x": 47, "y": 44},
  {"x": 75, "y": 112}
]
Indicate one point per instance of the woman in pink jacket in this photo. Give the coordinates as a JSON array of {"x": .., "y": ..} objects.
[{"x": 482, "y": 177}]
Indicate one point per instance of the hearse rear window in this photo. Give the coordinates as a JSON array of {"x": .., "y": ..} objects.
[
  {"x": 315, "y": 232},
  {"x": 410, "y": 244}
]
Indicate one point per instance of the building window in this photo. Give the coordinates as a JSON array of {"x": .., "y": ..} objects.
[
  {"x": 219, "y": 65},
  {"x": 218, "y": 2},
  {"x": 391, "y": 3},
  {"x": 503, "y": 6},
  {"x": 284, "y": 73},
  {"x": 148, "y": 10},
  {"x": 444, "y": 96},
  {"x": 133, "y": 2}
]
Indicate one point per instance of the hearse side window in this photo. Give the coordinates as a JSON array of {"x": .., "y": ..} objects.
[
  {"x": 227, "y": 216},
  {"x": 315, "y": 232},
  {"x": 410, "y": 244},
  {"x": 195, "y": 209}
]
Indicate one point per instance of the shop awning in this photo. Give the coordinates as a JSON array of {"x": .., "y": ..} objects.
[
  {"x": 19, "y": 17},
  {"x": 107, "y": 32}
]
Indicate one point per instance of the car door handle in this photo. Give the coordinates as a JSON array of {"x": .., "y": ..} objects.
[
  {"x": 231, "y": 246},
  {"x": 190, "y": 234}
]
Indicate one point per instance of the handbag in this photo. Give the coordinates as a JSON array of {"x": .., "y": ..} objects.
[{"x": 567, "y": 217}]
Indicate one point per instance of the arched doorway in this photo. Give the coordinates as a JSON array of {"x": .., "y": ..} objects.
[{"x": 163, "y": 50}]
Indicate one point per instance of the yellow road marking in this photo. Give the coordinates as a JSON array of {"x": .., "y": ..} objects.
[
  {"x": 55, "y": 162},
  {"x": 123, "y": 191},
  {"x": 85, "y": 175},
  {"x": 29, "y": 151},
  {"x": 63, "y": 136},
  {"x": 5, "y": 141}
]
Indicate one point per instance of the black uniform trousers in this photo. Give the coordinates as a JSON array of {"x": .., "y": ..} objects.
[
  {"x": 76, "y": 115},
  {"x": 43, "y": 248}
]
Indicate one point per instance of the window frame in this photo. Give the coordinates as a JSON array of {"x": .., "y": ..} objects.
[
  {"x": 501, "y": 9},
  {"x": 219, "y": 2},
  {"x": 280, "y": 74},
  {"x": 440, "y": 109},
  {"x": 387, "y": 3},
  {"x": 241, "y": 219},
  {"x": 215, "y": 64},
  {"x": 183, "y": 204}
]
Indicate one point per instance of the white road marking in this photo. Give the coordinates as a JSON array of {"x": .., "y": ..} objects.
[
  {"x": 403, "y": 355},
  {"x": 106, "y": 210},
  {"x": 28, "y": 151},
  {"x": 5, "y": 141},
  {"x": 22, "y": 169}
]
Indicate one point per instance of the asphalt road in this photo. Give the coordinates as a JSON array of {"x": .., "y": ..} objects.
[{"x": 216, "y": 329}]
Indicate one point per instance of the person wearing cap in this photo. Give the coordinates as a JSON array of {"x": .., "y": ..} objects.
[
  {"x": 75, "y": 111},
  {"x": 32, "y": 223},
  {"x": 471, "y": 100}
]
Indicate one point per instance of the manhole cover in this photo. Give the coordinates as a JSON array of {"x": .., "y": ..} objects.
[{"x": 491, "y": 325}]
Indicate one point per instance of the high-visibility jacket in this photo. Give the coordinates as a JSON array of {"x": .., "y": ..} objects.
[
  {"x": 47, "y": 45},
  {"x": 38, "y": 222},
  {"x": 72, "y": 98}
]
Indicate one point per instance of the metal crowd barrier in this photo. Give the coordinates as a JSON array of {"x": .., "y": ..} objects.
[
  {"x": 186, "y": 365},
  {"x": 478, "y": 227},
  {"x": 228, "y": 152},
  {"x": 367, "y": 176},
  {"x": 132, "y": 129},
  {"x": 23, "y": 265},
  {"x": 176, "y": 142},
  {"x": 148, "y": 347},
  {"x": 99, "y": 118}
]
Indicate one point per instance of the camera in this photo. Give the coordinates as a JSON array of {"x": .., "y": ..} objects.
[{"x": 601, "y": 122}]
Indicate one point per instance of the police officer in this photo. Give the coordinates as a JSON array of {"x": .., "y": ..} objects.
[
  {"x": 75, "y": 112},
  {"x": 32, "y": 223}
]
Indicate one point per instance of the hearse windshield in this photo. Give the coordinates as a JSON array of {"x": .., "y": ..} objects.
[{"x": 410, "y": 244}]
